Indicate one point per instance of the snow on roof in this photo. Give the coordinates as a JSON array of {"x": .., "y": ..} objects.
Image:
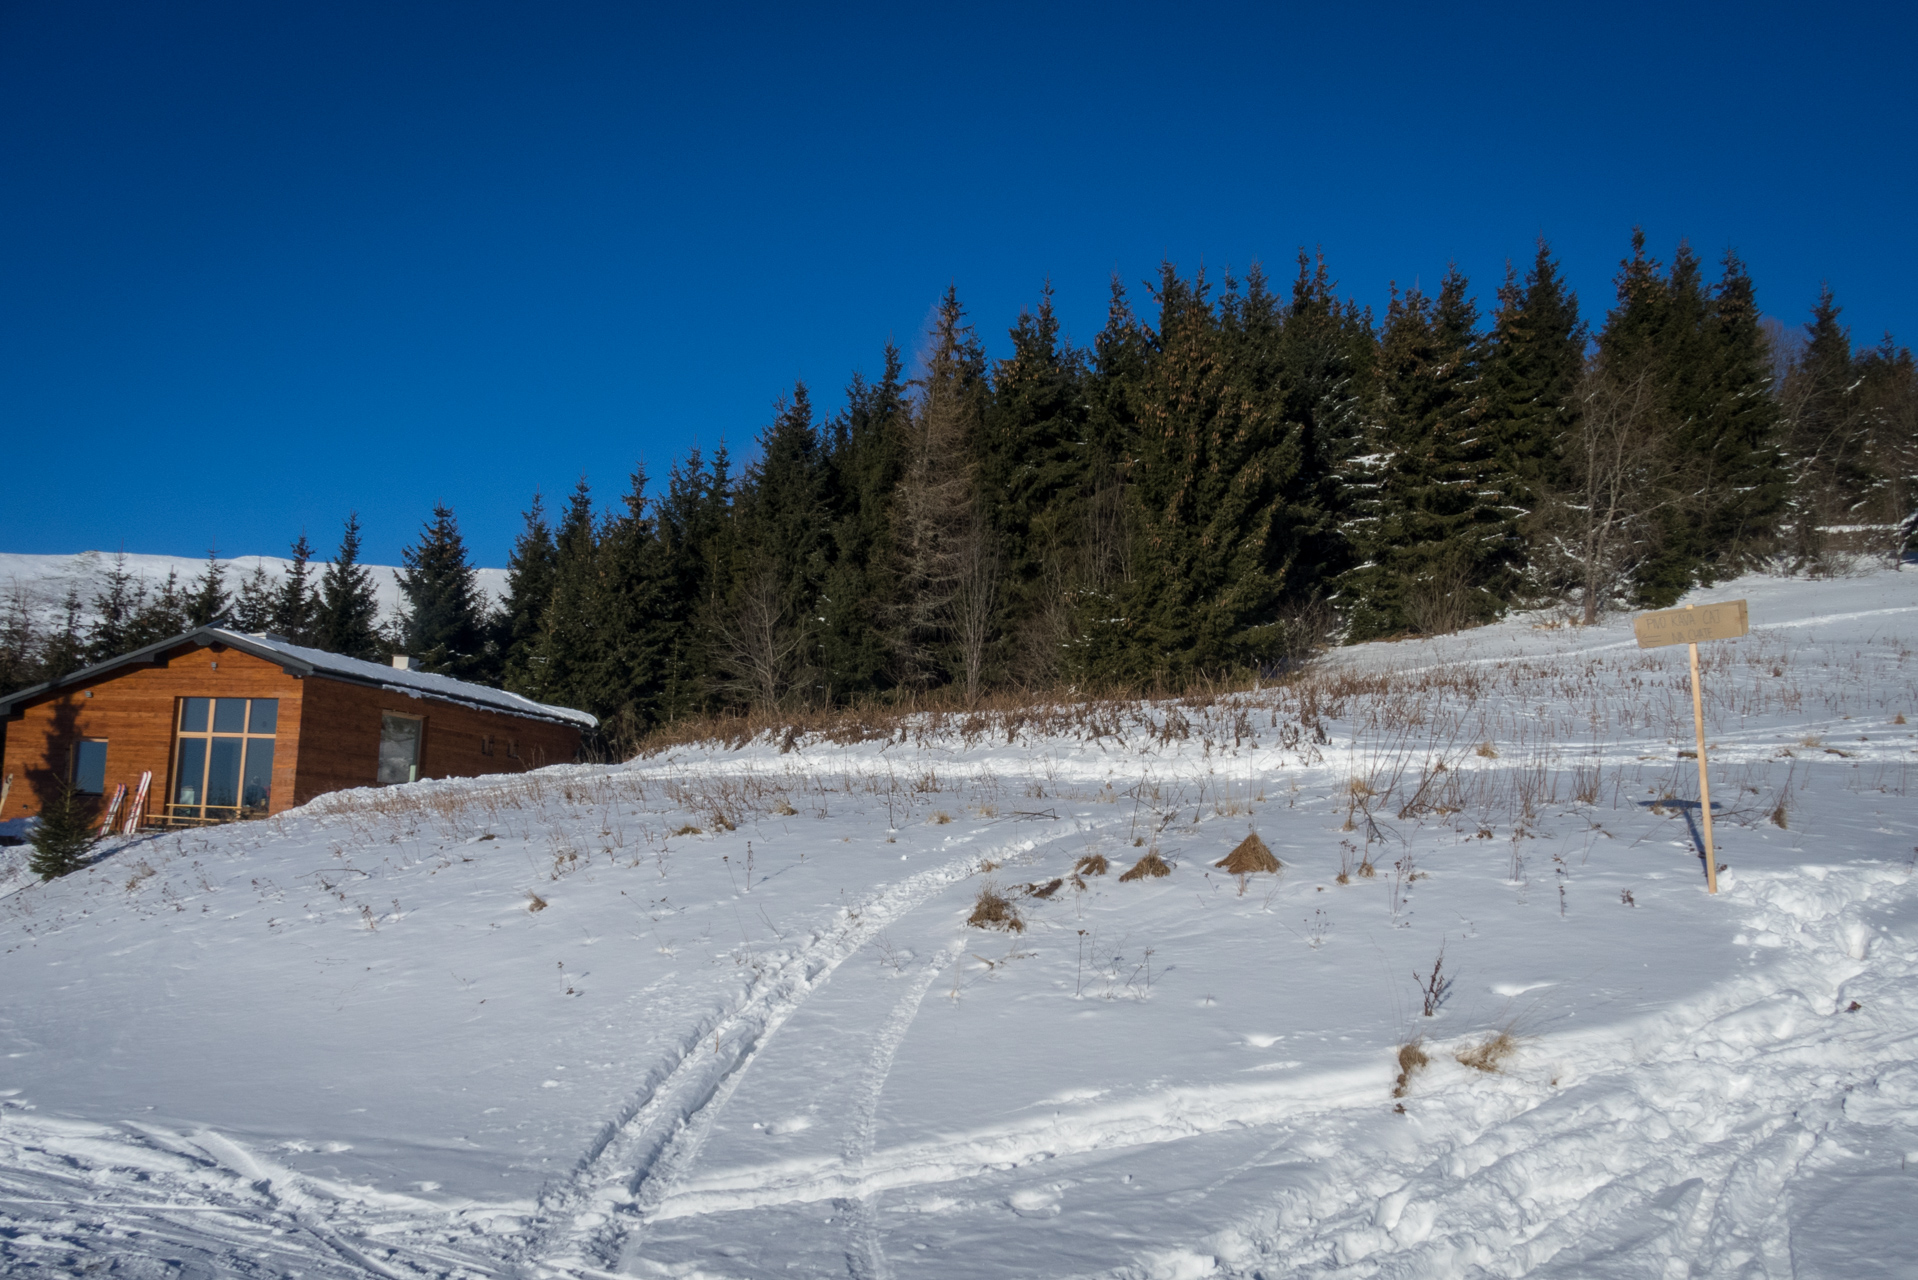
[{"x": 444, "y": 688}]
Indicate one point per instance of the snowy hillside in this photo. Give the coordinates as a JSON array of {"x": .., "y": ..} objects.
[
  {"x": 45, "y": 580},
  {"x": 720, "y": 1012}
]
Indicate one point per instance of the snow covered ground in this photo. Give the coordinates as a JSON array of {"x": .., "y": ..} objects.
[
  {"x": 43, "y": 581},
  {"x": 719, "y": 1013}
]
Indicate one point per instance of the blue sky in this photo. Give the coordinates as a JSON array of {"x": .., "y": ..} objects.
[{"x": 263, "y": 263}]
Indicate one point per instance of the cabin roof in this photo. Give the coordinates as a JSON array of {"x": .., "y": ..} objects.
[{"x": 298, "y": 660}]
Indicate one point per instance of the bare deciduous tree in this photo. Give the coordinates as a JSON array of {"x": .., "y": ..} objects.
[
  {"x": 974, "y": 600},
  {"x": 1618, "y": 477},
  {"x": 759, "y": 642}
]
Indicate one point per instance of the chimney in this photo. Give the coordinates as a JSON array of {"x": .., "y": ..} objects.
[{"x": 402, "y": 663}]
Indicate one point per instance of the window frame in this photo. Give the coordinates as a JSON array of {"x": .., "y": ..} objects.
[
  {"x": 73, "y": 766},
  {"x": 419, "y": 748},
  {"x": 202, "y": 812}
]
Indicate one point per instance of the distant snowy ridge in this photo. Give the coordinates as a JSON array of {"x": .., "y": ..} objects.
[{"x": 45, "y": 580}]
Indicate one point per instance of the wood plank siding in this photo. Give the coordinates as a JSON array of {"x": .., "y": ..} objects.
[
  {"x": 134, "y": 709},
  {"x": 327, "y": 739},
  {"x": 340, "y": 738}
]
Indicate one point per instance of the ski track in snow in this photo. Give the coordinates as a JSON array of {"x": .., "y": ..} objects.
[{"x": 657, "y": 1140}]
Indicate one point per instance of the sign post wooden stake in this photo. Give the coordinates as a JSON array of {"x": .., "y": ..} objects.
[
  {"x": 1688, "y": 626},
  {"x": 1704, "y": 781}
]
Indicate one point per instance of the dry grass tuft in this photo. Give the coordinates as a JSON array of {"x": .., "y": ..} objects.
[
  {"x": 1899, "y": 718},
  {"x": 1045, "y": 890},
  {"x": 1093, "y": 864},
  {"x": 1778, "y": 816},
  {"x": 1487, "y": 750},
  {"x": 1150, "y": 865},
  {"x": 1490, "y": 1055},
  {"x": 784, "y": 810},
  {"x": 1251, "y": 856},
  {"x": 940, "y": 817},
  {"x": 1412, "y": 1060},
  {"x": 534, "y": 902},
  {"x": 689, "y": 830},
  {"x": 993, "y": 910}
]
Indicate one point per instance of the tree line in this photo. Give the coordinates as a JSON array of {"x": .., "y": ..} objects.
[{"x": 1219, "y": 489}]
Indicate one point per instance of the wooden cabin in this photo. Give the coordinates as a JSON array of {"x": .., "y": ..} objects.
[{"x": 232, "y": 725}]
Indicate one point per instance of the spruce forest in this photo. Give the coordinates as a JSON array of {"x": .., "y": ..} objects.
[{"x": 1227, "y": 479}]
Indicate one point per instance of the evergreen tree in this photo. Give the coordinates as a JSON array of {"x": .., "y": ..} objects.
[
  {"x": 1704, "y": 354},
  {"x": 566, "y": 661},
  {"x": 253, "y": 606},
  {"x": 116, "y": 607},
  {"x": 691, "y": 525},
  {"x": 1327, "y": 355},
  {"x": 209, "y": 601},
  {"x": 1034, "y": 482},
  {"x": 529, "y": 588},
  {"x": 1210, "y": 557},
  {"x": 345, "y": 621},
  {"x": 1533, "y": 360},
  {"x": 160, "y": 616},
  {"x": 634, "y": 624},
  {"x": 766, "y": 621},
  {"x": 941, "y": 579},
  {"x": 859, "y": 598},
  {"x": 296, "y": 609},
  {"x": 62, "y": 836},
  {"x": 1438, "y": 541},
  {"x": 64, "y": 651},
  {"x": 21, "y": 662},
  {"x": 444, "y": 624}
]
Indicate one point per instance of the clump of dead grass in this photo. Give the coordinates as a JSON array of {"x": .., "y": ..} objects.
[
  {"x": 1045, "y": 890},
  {"x": 1778, "y": 816},
  {"x": 940, "y": 817},
  {"x": 993, "y": 910},
  {"x": 1150, "y": 865},
  {"x": 1489, "y": 1055},
  {"x": 534, "y": 903},
  {"x": 1251, "y": 857},
  {"x": 1412, "y": 1059},
  {"x": 1093, "y": 864}
]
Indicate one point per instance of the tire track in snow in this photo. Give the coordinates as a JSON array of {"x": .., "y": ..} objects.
[
  {"x": 865, "y": 1255},
  {"x": 629, "y": 1170}
]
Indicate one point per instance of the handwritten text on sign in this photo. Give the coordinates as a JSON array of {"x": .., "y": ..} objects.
[{"x": 1726, "y": 621}]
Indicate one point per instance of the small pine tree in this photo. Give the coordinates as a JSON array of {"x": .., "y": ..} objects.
[
  {"x": 529, "y": 589},
  {"x": 445, "y": 624},
  {"x": 115, "y": 605},
  {"x": 253, "y": 604},
  {"x": 209, "y": 601},
  {"x": 62, "y": 836},
  {"x": 348, "y": 608},
  {"x": 296, "y": 608}
]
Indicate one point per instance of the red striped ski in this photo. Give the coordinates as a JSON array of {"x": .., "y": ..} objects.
[{"x": 139, "y": 804}]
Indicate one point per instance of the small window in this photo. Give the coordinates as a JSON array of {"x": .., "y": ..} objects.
[
  {"x": 486, "y": 745},
  {"x": 399, "y": 749},
  {"x": 512, "y": 748},
  {"x": 90, "y": 767}
]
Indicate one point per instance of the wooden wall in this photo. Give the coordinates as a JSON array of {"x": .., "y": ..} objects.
[
  {"x": 328, "y": 738},
  {"x": 134, "y": 709},
  {"x": 340, "y": 738}
]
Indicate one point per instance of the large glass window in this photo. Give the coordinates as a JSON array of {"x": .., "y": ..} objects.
[
  {"x": 223, "y": 758},
  {"x": 399, "y": 749},
  {"x": 90, "y": 767}
]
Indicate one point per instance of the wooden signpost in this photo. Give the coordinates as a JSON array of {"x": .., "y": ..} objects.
[{"x": 1689, "y": 626}]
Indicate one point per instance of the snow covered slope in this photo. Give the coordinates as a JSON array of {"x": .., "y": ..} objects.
[
  {"x": 720, "y": 1013},
  {"x": 44, "y": 580}
]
